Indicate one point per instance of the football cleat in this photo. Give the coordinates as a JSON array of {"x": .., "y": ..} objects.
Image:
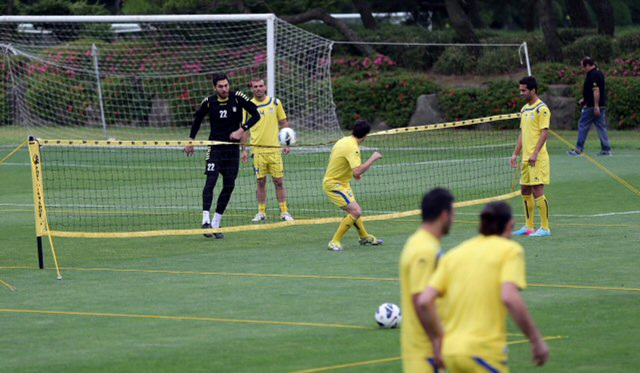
[
  {"x": 540, "y": 233},
  {"x": 606, "y": 153},
  {"x": 335, "y": 246},
  {"x": 259, "y": 217},
  {"x": 286, "y": 216},
  {"x": 207, "y": 226},
  {"x": 524, "y": 231},
  {"x": 574, "y": 153},
  {"x": 218, "y": 236},
  {"x": 370, "y": 240}
]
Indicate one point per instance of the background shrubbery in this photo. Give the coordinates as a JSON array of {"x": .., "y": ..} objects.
[
  {"x": 382, "y": 87},
  {"x": 386, "y": 96}
]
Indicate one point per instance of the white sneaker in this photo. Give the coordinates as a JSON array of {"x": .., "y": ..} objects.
[
  {"x": 259, "y": 217},
  {"x": 286, "y": 216}
]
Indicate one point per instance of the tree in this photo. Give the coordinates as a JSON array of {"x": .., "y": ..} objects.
[
  {"x": 549, "y": 30},
  {"x": 324, "y": 16},
  {"x": 461, "y": 24},
  {"x": 604, "y": 14},
  {"x": 529, "y": 15},
  {"x": 364, "y": 8},
  {"x": 578, "y": 13},
  {"x": 471, "y": 9}
]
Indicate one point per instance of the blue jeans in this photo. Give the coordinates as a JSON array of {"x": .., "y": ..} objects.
[{"x": 584, "y": 125}]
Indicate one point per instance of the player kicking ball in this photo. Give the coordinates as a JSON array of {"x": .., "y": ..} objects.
[{"x": 345, "y": 163}]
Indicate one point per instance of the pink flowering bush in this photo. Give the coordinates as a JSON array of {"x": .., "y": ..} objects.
[{"x": 349, "y": 65}]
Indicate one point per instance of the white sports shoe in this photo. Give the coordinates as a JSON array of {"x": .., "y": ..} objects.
[
  {"x": 286, "y": 216},
  {"x": 259, "y": 217}
]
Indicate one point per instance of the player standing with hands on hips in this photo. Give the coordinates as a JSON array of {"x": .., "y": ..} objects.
[{"x": 225, "y": 117}]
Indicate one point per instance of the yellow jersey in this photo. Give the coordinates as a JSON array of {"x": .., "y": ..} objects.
[
  {"x": 418, "y": 261},
  {"x": 345, "y": 156},
  {"x": 265, "y": 132},
  {"x": 470, "y": 278},
  {"x": 533, "y": 119}
]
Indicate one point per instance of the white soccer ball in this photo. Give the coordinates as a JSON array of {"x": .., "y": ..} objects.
[
  {"x": 388, "y": 316},
  {"x": 287, "y": 136}
]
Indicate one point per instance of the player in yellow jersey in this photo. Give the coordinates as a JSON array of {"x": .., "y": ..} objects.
[
  {"x": 479, "y": 281},
  {"x": 535, "y": 169},
  {"x": 267, "y": 158},
  {"x": 417, "y": 263},
  {"x": 345, "y": 163}
]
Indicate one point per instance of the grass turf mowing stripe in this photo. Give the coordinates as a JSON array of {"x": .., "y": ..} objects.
[
  {"x": 279, "y": 275},
  {"x": 182, "y": 318}
]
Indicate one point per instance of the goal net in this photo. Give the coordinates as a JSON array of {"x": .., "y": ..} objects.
[
  {"x": 144, "y": 76},
  {"x": 87, "y": 188}
]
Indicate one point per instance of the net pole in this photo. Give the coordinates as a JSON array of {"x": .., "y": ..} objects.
[
  {"x": 38, "y": 195},
  {"x": 271, "y": 57},
  {"x": 96, "y": 68},
  {"x": 40, "y": 253}
]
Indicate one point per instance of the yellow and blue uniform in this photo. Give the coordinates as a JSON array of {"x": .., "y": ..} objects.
[
  {"x": 470, "y": 279},
  {"x": 345, "y": 156},
  {"x": 418, "y": 262},
  {"x": 267, "y": 157},
  {"x": 533, "y": 119}
]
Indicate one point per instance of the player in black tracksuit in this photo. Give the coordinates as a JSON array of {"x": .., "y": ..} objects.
[{"x": 225, "y": 116}]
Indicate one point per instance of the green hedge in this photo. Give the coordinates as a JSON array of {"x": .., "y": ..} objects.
[
  {"x": 623, "y": 105},
  {"x": 390, "y": 97},
  {"x": 498, "y": 97},
  {"x": 558, "y": 73},
  {"x": 599, "y": 47}
]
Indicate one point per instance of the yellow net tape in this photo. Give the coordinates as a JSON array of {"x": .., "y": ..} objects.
[{"x": 245, "y": 228}]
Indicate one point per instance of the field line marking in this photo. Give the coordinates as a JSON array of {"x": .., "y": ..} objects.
[
  {"x": 207, "y": 273},
  {"x": 397, "y": 358},
  {"x": 183, "y": 318},
  {"x": 322, "y": 277},
  {"x": 7, "y": 285},
  {"x": 584, "y": 287}
]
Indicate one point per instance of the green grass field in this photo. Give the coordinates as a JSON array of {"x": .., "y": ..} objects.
[{"x": 278, "y": 301}]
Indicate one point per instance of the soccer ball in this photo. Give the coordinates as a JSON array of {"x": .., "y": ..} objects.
[
  {"x": 388, "y": 316},
  {"x": 287, "y": 136}
]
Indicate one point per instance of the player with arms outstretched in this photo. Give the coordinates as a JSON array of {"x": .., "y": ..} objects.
[{"x": 225, "y": 110}]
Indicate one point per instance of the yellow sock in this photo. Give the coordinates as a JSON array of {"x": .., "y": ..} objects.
[
  {"x": 362, "y": 232},
  {"x": 262, "y": 208},
  {"x": 283, "y": 207},
  {"x": 345, "y": 224},
  {"x": 543, "y": 207},
  {"x": 528, "y": 201}
]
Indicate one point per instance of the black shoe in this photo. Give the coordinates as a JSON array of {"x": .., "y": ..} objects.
[
  {"x": 218, "y": 236},
  {"x": 606, "y": 153},
  {"x": 207, "y": 226}
]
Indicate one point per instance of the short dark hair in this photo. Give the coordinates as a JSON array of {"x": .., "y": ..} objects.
[
  {"x": 494, "y": 218},
  {"x": 218, "y": 77},
  {"x": 361, "y": 128},
  {"x": 587, "y": 61},
  {"x": 530, "y": 82},
  {"x": 256, "y": 79},
  {"x": 435, "y": 202}
]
